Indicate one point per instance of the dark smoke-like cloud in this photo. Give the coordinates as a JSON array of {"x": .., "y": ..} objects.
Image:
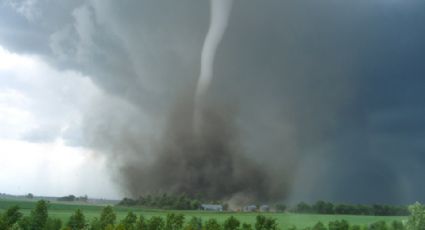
[
  {"x": 329, "y": 93},
  {"x": 210, "y": 162}
]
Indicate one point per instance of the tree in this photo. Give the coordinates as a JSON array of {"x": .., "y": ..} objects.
[
  {"x": 246, "y": 226},
  {"x": 67, "y": 198},
  {"x": 141, "y": 224},
  {"x": 303, "y": 208},
  {"x": 264, "y": 223},
  {"x": 194, "y": 224},
  {"x": 380, "y": 225},
  {"x": 95, "y": 224},
  {"x": 174, "y": 221},
  {"x": 195, "y": 204},
  {"x": 212, "y": 224},
  {"x": 53, "y": 224},
  {"x": 77, "y": 221},
  {"x": 397, "y": 225},
  {"x": 416, "y": 219},
  {"x": 339, "y": 225},
  {"x": 319, "y": 226},
  {"x": 25, "y": 223},
  {"x": 155, "y": 223},
  {"x": 120, "y": 227},
  {"x": 319, "y": 207},
  {"x": 10, "y": 217},
  {"x": 280, "y": 207},
  {"x": 29, "y": 196},
  {"x": 355, "y": 227},
  {"x": 231, "y": 223},
  {"x": 107, "y": 217},
  {"x": 39, "y": 216},
  {"x": 129, "y": 221}
]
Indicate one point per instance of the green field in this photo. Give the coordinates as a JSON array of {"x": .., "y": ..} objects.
[{"x": 63, "y": 210}]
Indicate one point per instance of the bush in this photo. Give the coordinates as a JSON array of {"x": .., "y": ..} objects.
[
  {"x": 319, "y": 226},
  {"x": 194, "y": 224},
  {"x": 128, "y": 223},
  {"x": 380, "y": 225},
  {"x": 107, "y": 217},
  {"x": 355, "y": 227},
  {"x": 53, "y": 224},
  {"x": 24, "y": 223},
  {"x": 264, "y": 223},
  {"x": 141, "y": 224},
  {"x": 397, "y": 225},
  {"x": 155, "y": 223},
  {"x": 10, "y": 217},
  {"x": 174, "y": 221},
  {"x": 416, "y": 219},
  {"x": 77, "y": 221},
  {"x": 39, "y": 216},
  {"x": 246, "y": 226},
  {"x": 231, "y": 223},
  {"x": 212, "y": 224},
  {"x": 95, "y": 224},
  {"x": 339, "y": 225}
]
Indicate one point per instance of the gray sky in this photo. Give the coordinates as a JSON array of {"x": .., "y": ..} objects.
[{"x": 329, "y": 93}]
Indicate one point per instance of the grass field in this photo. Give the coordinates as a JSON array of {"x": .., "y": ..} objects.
[{"x": 63, "y": 210}]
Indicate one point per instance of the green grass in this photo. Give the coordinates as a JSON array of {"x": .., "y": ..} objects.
[{"x": 63, "y": 210}]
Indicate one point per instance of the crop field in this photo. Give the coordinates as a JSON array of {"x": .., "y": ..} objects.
[{"x": 63, "y": 210}]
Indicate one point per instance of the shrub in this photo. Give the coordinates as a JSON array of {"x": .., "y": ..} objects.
[
  {"x": 10, "y": 217},
  {"x": 39, "y": 216},
  {"x": 339, "y": 225},
  {"x": 77, "y": 221},
  {"x": 128, "y": 223},
  {"x": 416, "y": 219},
  {"x": 246, "y": 226},
  {"x": 141, "y": 224},
  {"x": 174, "y": 221},
  {"x": 380, "y": 225},
  {"x": 107, "y": 217},
  {"x": 397, "y": 225},
  {"x": 53, "y": 224},
  {"x": 264, "y": 223},
  {"x": 231, "y": 223},
  {"x": 194, "y": 224},
  {"x": 155, "y": 223},
  {"x": 212, "y": 224},
  {"x": 319, "y": 226}
]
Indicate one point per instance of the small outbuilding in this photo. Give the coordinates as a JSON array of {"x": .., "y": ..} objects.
[
  {"x": 250, "y": 208},
  {"x": 212, "y": 207},
  {"x": 264, "y": 208}
]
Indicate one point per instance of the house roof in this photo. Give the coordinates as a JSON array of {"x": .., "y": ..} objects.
[{"x": 212, "y": 206}]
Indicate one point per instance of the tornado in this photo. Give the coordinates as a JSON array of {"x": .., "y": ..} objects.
[{"x": 220, "y": 12}]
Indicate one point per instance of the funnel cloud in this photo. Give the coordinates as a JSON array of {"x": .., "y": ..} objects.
[{"x": 220, "y": 12}]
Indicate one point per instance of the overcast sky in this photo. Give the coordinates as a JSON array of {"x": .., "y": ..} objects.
[{"x": 329, "y": 92}]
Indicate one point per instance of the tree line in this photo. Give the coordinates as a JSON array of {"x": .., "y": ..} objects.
[
  {"x": 184, "y": 202},
  {"x": 13, "y": 219},
  {"x": 322, "y": 207},
  {"x": 71, "y": 198},
  {"x": 164, "y": 201}
]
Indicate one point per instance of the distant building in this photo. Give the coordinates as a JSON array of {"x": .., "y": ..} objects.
[
  {"x": 264, "y": 208},
  {"x": 212, "y": 207},
  {"x": 250, "y": 208}
]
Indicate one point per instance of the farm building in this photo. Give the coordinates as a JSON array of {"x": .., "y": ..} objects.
[
  {"x": 212, "y": 207},
  {"x": 264, "y": 208},
  {"x": 250, "y": 208}
]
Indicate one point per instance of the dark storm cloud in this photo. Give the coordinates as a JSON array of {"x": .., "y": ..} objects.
[{"x": 330, "y": 90}]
